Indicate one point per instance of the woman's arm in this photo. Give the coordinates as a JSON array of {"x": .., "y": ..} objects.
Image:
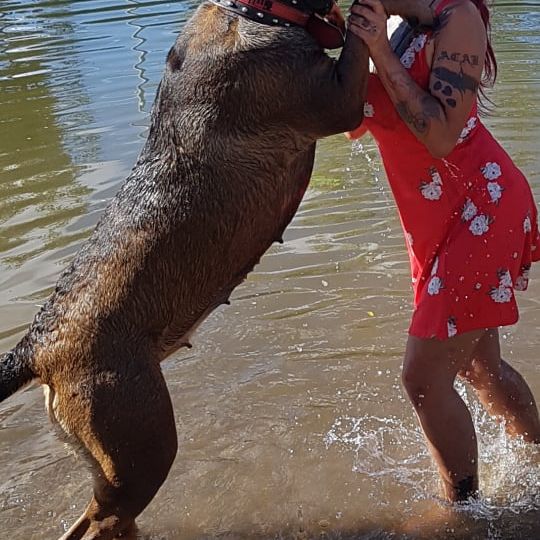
[{"x": 435, "y": 117}]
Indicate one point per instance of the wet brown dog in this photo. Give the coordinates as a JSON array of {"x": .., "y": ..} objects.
[{"x": 228, "y": 158}]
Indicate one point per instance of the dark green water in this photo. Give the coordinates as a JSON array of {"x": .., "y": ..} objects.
[{"x": 289, "y": 409}]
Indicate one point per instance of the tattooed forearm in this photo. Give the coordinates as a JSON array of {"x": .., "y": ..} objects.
[
  {"x": 420, "y": 121},
  {"x": 416, "y": 120}
]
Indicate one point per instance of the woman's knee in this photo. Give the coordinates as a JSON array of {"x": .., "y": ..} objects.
[
  {"x": 421, "y": 383},
  {"x": 431, "y": 366}
]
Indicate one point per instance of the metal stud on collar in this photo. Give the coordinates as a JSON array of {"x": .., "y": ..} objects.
[{"x": 251, "y": 13}]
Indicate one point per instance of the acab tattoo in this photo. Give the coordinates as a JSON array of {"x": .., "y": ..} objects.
[{"x": 460, "y": 58}]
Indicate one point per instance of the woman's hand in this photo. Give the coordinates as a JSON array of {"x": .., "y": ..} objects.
[{"x": 368, "y": 21}]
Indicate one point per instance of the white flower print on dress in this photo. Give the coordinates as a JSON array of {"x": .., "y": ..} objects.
[
  {"x": 480, "y": 225},
  {"x": 471, "y": 124},
  {"x": 522, "y": 281},
  {"x": 505, "y": 279},
  {"x": 435, "y": 176},
  {"x": 501, "y": 295},
  {"x": 469, "y": 210},
  {"x": 407, "y": 59},
  {"x": 417, "y": 44},
  {"x": 432, "y": 191},
  {"x": 495, "y": 191},
  {"x": 491, "y": 171},
  {"x": 435, "y": 285},
  {"x": 452, "y": 327},
  {"x": 527, "y": 225},
  {"x": 369, "y": 110}
]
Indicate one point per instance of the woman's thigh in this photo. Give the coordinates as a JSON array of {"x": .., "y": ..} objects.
[{"x": 433, "y": 363}]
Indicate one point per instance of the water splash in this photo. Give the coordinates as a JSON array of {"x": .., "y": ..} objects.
[
  {"x": 385, "y": 447},
  {"x": 509, "y": 467}
]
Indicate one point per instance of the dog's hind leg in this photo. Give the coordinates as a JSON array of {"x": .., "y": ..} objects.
[{"x": 126, "y": 425}]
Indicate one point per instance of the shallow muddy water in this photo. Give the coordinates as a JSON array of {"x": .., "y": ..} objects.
[{"x": 291, "y": 419}]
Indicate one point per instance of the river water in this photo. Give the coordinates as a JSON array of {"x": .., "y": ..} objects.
[{"x": 291, "y": 419}]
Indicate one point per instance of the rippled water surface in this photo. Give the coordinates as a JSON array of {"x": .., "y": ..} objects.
[{"x": 291, "y": 419}]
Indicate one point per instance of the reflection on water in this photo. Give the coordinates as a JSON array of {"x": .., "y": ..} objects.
[{"x": 290, "y": 415}]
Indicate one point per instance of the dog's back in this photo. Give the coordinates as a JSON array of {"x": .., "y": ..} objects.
[{"x": 227, "y": 160}]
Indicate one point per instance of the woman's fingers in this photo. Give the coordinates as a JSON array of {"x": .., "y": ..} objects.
[
  {"x": 367, "y": 13},
  {"x": 362, "y": 28},
  {"x": 364, "y": 11},
  {"x": 375, "y": 5},
  {"x": 365, "y": 19},
  {"x": 363, "y": 16}
]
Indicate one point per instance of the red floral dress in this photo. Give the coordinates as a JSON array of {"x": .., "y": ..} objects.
[{"x": 470, "y": 220}]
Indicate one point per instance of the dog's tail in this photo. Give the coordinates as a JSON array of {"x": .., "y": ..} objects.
[{"x": 15, "y": 371}]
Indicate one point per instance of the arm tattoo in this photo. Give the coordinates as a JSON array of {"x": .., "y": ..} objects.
[
  {"x": 416, "y": 120},
  {"x": 420, "y": 121},
  {"x": 448, "y": 81},
  {"x": 460, "y": 58}
]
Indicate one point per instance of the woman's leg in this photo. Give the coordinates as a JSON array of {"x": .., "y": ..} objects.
[
  {"x": 429, "y": 371},
  {"x": 502, "y": 390}
]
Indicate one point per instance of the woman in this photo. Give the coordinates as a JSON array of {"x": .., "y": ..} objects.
[{"x": 470, "y": 222}]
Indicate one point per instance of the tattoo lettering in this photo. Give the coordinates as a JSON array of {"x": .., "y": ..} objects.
[
  {"x": 448, "y": 81},
  {"x": 460, "y": 58}
]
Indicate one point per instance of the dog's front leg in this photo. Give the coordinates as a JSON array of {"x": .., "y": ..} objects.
[{"x": 328, "y": 95}]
